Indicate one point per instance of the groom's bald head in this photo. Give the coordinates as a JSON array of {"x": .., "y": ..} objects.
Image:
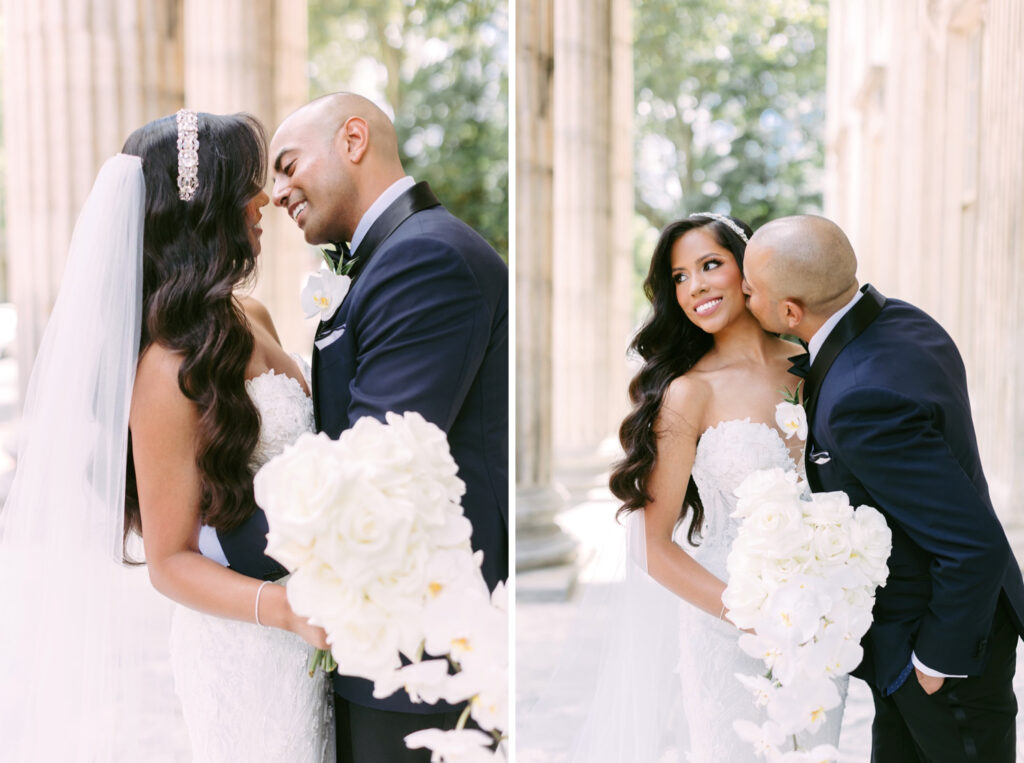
[
  {"x": 331, "y": 159},
  {"x": 805, "y": 261}
]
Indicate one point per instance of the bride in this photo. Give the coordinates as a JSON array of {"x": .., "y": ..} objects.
[
  {"x": 156, "y": 394},
  {"x": 702, "y": 420}
]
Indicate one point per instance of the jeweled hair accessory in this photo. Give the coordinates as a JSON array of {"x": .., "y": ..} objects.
[
  {"x": 726, "y": 221},
  {"x": 188, "y": 154}
]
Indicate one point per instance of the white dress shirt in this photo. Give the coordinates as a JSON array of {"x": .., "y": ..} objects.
[
  {"x": 814, "y": 346},
  {"x": 376, "y": 209}
]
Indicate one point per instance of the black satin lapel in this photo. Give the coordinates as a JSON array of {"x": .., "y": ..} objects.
[
  {"x": 416, "y": 199},
  {"x": 849, "y": 328},
  {"x": 314, "y": 388}
]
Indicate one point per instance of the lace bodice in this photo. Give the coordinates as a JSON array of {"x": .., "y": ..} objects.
[
  {"x": 726, "y": 454},
  {"x": 286, "y": 411}
]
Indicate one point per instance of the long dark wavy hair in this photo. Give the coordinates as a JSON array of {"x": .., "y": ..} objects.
[
  {"x": 670, "y": 344},
  {"x": 195, "y": 253}
]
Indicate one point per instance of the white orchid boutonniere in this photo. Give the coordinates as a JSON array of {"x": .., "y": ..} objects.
[
  {"x": 790, "y": 414},
  {"x": 323, "y": 293}
]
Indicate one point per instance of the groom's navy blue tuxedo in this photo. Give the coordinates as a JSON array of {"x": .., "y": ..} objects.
[
  {"x": 890, "y": 425},
  {"x": 424, "y": 328}
]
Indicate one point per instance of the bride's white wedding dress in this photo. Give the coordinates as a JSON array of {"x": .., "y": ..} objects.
[
  {"x": 709, "y": 655},
  {"x": 244, "y": 688}
]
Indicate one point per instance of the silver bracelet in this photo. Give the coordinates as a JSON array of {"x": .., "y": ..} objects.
[
  {"x": 721, "y": 615},
  {"x": 258, "y": 592}
]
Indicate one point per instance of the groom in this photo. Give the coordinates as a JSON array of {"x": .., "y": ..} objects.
[
  {"x": 424, "y": 328},
  {"x": 890, "y": 424}
]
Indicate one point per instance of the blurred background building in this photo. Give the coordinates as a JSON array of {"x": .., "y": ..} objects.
[{"x": 925, "y": 173}]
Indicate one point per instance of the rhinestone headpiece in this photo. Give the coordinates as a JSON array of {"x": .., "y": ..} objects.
[
  {"x": 188, "y": 154},
  {"x": 726, "y": 221}
]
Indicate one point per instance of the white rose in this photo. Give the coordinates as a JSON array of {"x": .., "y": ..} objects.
[
  {"x": 768, "y": 484},
  {"x": 775, "y": 529},
  {"x": 297, "y": 489},
  {"x": 871, "y": 540},
  {"x": 792, "y": 419},
  {"x": 828, "y": 508},
  {"x": 364, "y": 639},
  {"x": 830, "y": 545}
]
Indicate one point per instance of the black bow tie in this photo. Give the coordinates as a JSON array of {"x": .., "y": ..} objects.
[
  {"x": 339, "y": 253},
  {"x": 801, "y": 365}
]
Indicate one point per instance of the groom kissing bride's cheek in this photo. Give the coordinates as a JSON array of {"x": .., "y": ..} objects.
[{"x": 890, "y": 424}]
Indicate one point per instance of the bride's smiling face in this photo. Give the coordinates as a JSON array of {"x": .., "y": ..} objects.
[{"x": 709, "y": 284}]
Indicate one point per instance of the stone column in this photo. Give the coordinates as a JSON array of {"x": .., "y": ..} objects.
[
  {"x": 79, "y": 76},
  {"x": 250, "y": 55},
  {"x": 539, "y": 541},
  {"x": 593, "y": 188}
]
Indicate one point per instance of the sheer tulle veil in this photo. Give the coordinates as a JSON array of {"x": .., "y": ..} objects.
[
  {"x": 80, "y": 671},
  {"x": 621, "y": 704}
]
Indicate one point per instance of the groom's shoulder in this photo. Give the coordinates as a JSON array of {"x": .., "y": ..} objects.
[
  {"x": 446, "y": 235},
  {"x": 901, "y": 320}
]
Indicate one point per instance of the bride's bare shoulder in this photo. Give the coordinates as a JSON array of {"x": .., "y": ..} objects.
[
  {"x": 156, "y": 391},
  {"x": 258, "y": 315},
  {"x": 685, "y": 402}
]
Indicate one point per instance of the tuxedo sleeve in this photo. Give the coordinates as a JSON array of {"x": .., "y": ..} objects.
[
  {"x": 422, "y": 335},
  {"x": 893, "y": 447}
]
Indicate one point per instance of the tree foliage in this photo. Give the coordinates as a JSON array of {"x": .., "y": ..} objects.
[
  {"x": 440, "y": 66},
  {"x": 730, "y": 102}
]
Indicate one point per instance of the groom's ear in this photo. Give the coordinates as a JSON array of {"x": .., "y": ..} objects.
[
  {"x": 791, "y": 312},
  {"x": 353, "y": 139}
]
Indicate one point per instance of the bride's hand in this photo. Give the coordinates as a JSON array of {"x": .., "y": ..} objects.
[{"x": 311, "y": 634}]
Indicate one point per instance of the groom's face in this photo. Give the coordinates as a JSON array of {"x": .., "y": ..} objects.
[
  {"x": 761, "y": 300},
  {"x": 311, "y": 182}
]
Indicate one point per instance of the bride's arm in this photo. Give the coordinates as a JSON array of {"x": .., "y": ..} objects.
[
  {"x": 164, "y": 425},
  {"x": 677, "y": 429}
]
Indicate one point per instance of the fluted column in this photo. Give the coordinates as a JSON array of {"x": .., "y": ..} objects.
[
  {"x": 926, "y": 173},
  {"x": 79, "y": 76},
  {"x": 250, "y": 55},
  {"x": 592, "y": 228},
  {"x": 539, "y": 541}
]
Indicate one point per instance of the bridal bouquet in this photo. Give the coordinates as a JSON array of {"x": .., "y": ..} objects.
[
  {"x": 802, "y": 575},
  {"x": 371, "y": 529}
]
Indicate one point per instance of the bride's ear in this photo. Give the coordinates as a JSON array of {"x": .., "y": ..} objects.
[{"x": 791, "y": 312}]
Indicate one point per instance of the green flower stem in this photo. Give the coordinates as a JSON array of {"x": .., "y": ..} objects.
[{"x": 464, "y": 717}]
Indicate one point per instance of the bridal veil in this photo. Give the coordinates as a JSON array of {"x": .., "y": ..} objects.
[
  {"x": 80, "y": 671},
  {"x": 620, "y": 703}
]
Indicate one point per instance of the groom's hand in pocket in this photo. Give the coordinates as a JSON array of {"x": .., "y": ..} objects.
[{"x": 930, "y": 684}]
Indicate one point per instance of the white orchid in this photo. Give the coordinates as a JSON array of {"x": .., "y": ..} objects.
[
  {"x": 459, "y": 746},
  {"x": 323, "y": 293},
  {"x": 802, "y": 575},
  {"x": 792, "y": 419}
]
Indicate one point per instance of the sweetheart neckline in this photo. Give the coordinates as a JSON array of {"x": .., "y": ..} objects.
[
  {"x": 271, "y": 373},
  {"x": 746, "y": 420}
]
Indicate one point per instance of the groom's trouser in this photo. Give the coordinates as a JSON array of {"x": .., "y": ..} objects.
[
  {"x": 368, "y": 735},
  {"x": 968, "y": 719}
]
